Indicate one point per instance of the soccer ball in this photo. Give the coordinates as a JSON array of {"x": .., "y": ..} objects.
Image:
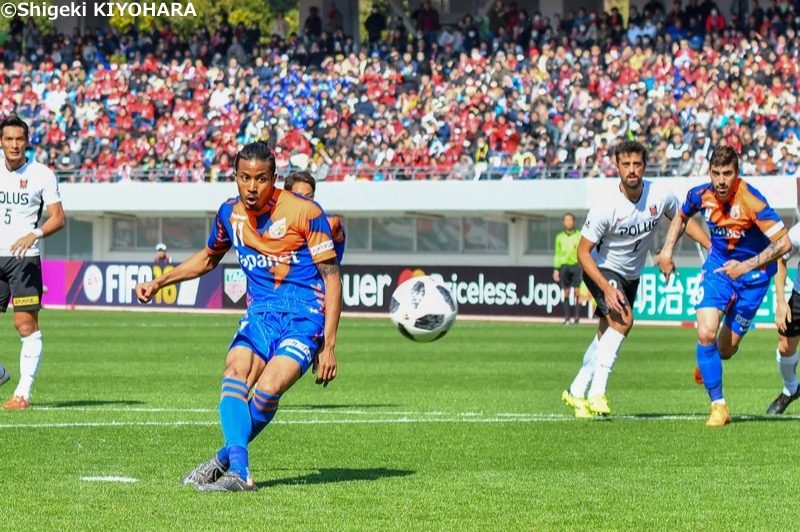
[
  {"x": 4, "y": 374},
  {"x": 423, "y": 309}
]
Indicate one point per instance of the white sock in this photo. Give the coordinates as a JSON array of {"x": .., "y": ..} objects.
[
  {"x": 29, "y": 357},
  {"x": 788, "y": 368},
  {"x": 606, "y": 355},
  {"x": 584, "y": 376}
]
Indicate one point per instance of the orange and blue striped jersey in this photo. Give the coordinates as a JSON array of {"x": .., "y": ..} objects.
[
  {"x": 337, "y": 232},
  {"x": 741, "y": 227},
  {"x": 278, "y": 249}
]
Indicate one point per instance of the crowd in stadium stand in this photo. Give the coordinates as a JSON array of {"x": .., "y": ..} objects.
[{"x": 506, "y": 95}]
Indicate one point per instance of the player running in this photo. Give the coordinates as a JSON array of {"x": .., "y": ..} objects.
[
  {"x": 746, "y": 238},
  {"x": 615, "y": 239},
  {"x": 26, "y": 187},
  {"x": 787, "y": 318},
  {"x": 294, "y": 293}
]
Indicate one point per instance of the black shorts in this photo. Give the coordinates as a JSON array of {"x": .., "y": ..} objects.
[
  {"x": 22, "y": 279},
  {"x": 793, "y": 325},
  {"x": 570, "y": 276},
  {"x": 628, "y": 288}
]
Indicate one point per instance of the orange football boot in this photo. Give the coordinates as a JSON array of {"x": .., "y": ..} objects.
[{"x": 17, "y": 402}]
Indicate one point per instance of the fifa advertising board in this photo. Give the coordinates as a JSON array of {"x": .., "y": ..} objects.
[{"x": 479, "y": 291}]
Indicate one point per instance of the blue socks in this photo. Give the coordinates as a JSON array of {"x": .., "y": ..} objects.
[
  {"x": 234, "y": 416},
  {"x": 710, "y": 364},
  {"x": 262, "y": 409}
]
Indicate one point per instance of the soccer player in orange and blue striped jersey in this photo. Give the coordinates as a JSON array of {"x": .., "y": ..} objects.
[
  {"x": 747, "y": 236},
  {"x": 304, "y": 184},
  {"x": 284, "y": 246}
]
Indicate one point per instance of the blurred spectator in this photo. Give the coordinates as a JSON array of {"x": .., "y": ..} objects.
[
  {"x": 161, "y": 258},
  {"x": 333, "y": 19},
  {"x": 313, "y": 24},
  {"x": 375, "y": 25},
  {"x": 279, "y": 26}
]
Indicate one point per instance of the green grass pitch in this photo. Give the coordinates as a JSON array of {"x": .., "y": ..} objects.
[{"x": 467, "y": 433}]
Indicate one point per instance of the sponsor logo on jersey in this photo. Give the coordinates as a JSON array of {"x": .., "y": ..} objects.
[
  {"x": 23, "y": 184},
  {"x": 325, "y": 246},
  {"x": 727, "y": 232},
  {"x": 278, "y": 228},
  {"x": 250, "y": 262},
  {"x": 14, "y": 198},
  {"x": 23, "y": 301},
  {"x": 638, "y": 229}
]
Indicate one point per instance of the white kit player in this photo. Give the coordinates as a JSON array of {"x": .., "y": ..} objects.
[
  {"x": 26, "y": 188},
  {"x": 787, "y": 318},
  {"x": 615, "y": 241}
]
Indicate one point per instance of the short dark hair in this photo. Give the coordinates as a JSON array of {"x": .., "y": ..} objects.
[
  {"x": 570, "y": 215},
  {"x": 300, "y": 177},
  {"x": 630, "y": 146},
  {"x": 14, "y": 121},
  {"x": 258, "y": 151},
  {"x": 723, "y": 156}
]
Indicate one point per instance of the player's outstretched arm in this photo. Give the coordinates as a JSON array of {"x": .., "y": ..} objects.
[
  {"x": 783, "y": 313},
  {"x": 326, "y": 360},
  {"x": 198, "y": 264},
  {"x": 735, "y": 269},
  {"x": 676, "y": 228},
  {"x": 614, "y": 297},
  {"x": 55, "y": 221}
]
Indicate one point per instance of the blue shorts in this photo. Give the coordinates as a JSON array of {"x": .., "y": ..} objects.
[
  {"x": 739, "y": 299},
  {"x": 273, "y": 334}
]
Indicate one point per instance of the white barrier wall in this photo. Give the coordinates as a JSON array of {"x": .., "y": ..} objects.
[{"x": 521, "y": 206}]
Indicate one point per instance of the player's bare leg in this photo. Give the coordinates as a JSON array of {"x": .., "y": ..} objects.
[
  {"x": 709, "y": 360},
  {"x": 727, "y": 342},
  {"x": 787, "y": 366},
  {"x": 27, "y": 325}
]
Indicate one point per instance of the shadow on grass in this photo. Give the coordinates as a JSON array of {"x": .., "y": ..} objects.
[
  {"x": 328, "y": 476},
  {"x": 332, "y": 407},
  {"x": 74, "y": 404}
]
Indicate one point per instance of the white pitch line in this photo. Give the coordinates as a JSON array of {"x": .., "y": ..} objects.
[
  {"x": 284, "y": 410},
  {"x": 532, "y": 418},
  {"x": 124, "y": 480}
]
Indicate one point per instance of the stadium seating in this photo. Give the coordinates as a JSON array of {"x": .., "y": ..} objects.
[{"x": 502, "y": 96}]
